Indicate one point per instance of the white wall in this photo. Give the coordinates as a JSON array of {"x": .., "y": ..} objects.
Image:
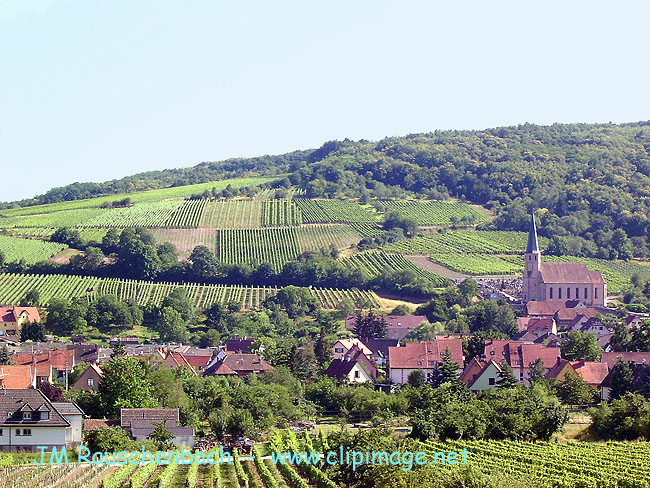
[{"x": 41, "y": 436}]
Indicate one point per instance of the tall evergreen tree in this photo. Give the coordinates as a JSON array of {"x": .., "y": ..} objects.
[
  {"x": 622, "y": 379},
  {"x": 506, "y": 377},
  {"x": 5, "y": 355},
  {"x": 537, "y": 371}
]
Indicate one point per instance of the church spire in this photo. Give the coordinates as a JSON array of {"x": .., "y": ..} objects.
[{"x": 533, "y": 245}]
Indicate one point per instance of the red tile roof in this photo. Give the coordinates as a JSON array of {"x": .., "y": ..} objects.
[
  {"x": 428, "y": 354},
  {"x": 92, "y": 424},
  {"x": 473, "y": 368},
  {"x": 241, "y": 364},
  {"x": 592, "y": 372},
  {"x": 569, "y": 273},
  {"x": 11, "y": 314},
  {"x": 16, "y": 377},
  {"x": 611, "y": 358},
  {"x": 59, "y": 359}
]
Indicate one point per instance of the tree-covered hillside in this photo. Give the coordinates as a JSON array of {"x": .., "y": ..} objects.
[{"x": 590, "y": 179}]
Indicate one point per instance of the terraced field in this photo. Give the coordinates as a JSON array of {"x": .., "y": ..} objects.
[
  {"x": 13, "y": 288},
  {"x": 435, "y": 212}
]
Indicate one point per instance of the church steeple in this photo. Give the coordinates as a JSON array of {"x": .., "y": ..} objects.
[{"x": 533, "y": 245}]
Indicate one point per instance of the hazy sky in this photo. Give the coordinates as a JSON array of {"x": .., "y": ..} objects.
[{"x": 96, "y": 90}]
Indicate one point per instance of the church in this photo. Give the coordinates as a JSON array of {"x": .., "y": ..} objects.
[{"x": 559, "y": 281}]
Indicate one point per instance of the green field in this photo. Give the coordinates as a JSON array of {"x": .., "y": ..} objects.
[
  {"x": 66, "y": 218},
  {"x": 316, "y": 237},
  {"x": 31, "y": 250},
  {"x": 232, "y": 214},
  {"x": 13, "y": 288},
  {"x": 480, "y": 264},
  {"x": 435, "y": 212},
  {"x": 185, "y": 240},
  {"x": 373, "y": 263},
  {"x": 257, "y": 246},
  {"x": 329, "y": 211},
  {"x": 280, "y": 212}
]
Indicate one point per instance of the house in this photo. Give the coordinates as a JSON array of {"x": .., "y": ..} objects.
[
  {"x": 592, "y": 372},
  {"x": 89, "y": 379},
  {"x": 379, "y": 348},
  {"x": 354, "y": 367},
  {"x": 425, "y": 356},
  {"x": 50, "y": 366},
  {"x": 542, "y": 325},
  {"x": 140, "y": 423},
  {"x": 28, "y": 419},
  {"x": 114, "y": 341},
  {"x": 595, "y": 326},
  {"x": 472, "y": 369},
  {"x": 17, "y": 377},
  {"x": 397, "y": 326},
  {"x": 633, "y": 321},
  {"x": 74, "y": 415},
  {"x": 13, "y": 318},
  {"x": 85, "y": 353},
  {"x": 343, "y": 346},
  {"x": 237, "y": 364},
  {"x": 241, "y": 345},
  {"x": 559, "y": 281},
  {"x": 611, "y": 358},
  {"x": 486, "y": 378},
  {"x": 520, "y": 356}
]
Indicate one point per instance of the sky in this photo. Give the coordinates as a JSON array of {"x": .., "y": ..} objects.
[{"x": 95, "y": 90}]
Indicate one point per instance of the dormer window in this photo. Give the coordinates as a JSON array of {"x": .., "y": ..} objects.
[
  {"x": 27, "y": 415},
  {"x": 45, "y": 415}
]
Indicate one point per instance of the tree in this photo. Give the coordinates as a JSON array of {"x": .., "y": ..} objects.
[
  {"x": 622, "y": 245},
  {"x": 641, "y": 337},
  {"x": 32, "y": 331},
  {"x": 559, "y": 246},
  {"x": 537, "y": 371},
  {"x": 408, "y": 224},
  {"x": 416, "y": 378},
  {"x": 469, "y": 289},
  {"x": 179, "y": 301},
  {"x": 322, "y": 348},
  {"x": 109, "y": 439},
  {"x": 581, "y": 345},
  {"x": 204, "y": 264},
  {"x": 118, "y": 350},
  {"x": 31, "y": 298},
  {"x": 53, "y": 393},
  {"x": 622, "y": 379},
  {"x": 369, "y": 325},
  {"x": 573, "y": 390},
  {"x": 125, "y": 385},
  {"x": 161, "y": 436},
  {"x": 447, "y": 371},
  {"x": 5, "y": 355},
  {"x": 621, "y": 338},
  {"x": 171, "y": 326},
  {"x": 506, "y": 377},
  {"x": 297, "y": 301},
  {"x": 89, "y": 261}
]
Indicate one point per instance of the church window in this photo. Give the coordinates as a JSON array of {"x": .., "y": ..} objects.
[
  {"x": 596, "y": 293},
  {"x": 551, "y": 291},
  {"x": 577, "y": 292},
  {"x": 568, "y": 292},
  {"x": 559, "y": 292},
  {"x": 585, "y": 293}
]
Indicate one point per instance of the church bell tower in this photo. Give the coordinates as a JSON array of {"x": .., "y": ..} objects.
[{"x": 532, "y": 263}]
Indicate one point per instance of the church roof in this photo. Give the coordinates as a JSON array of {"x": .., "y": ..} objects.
[
  {"x": 569, "y": 273},
  {"x": 533, "y": 245}
]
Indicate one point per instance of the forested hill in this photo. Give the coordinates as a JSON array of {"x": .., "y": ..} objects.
[{"x": 592, "y": 178}]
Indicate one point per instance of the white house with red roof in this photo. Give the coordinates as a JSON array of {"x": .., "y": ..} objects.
[
  {"x": 425, "y": 356},
  {"x": 397, "y": 326},
  {"x": 520, "y": 355},
  {"x": 343, "y": 346},
  {"x": 486, "y": 378}
]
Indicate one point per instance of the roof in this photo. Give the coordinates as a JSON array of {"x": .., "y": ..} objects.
[
  {"x": 67, "y": 408},
  {"x": 427, "y": 354},
  {"x": 197, "y": 361},
  {"x": 575, "y": 273},
  {"x": 611, "y": 358},
  {"x": 144, "y": 428},
  {"x": 549, "y": 307},
  {"x": 16, "y": 377},
  {"x": 590, "y": 371},
  {"x": 241, "y": 364},
  {"x": 541, "y": 324},
  {"x": 473, "y": 368},
  {"x": 13, "y": 401},
  {"x": 488, "y": 365},
  {"x": 92, "y": 424},
  {"x": 354, "y": 342},
  {"x": 128, "y": 415},
  {"x": 11, "y": 314},
  {"x": 531, "y": 352},
  {"x": 59, "y": 359},
  {"x": 339, "y": 368},
  {"x": 379, "y": 346},
  {"x": 533, "y": 245}
]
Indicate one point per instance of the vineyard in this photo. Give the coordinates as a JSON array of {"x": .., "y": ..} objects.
[
  {"x": 435, "y": 212},
  {"x": 68, "y": 218},
  {"x": 329, "y": 211},
  {"x": 232, "y": 214},
  {"x": 31, "y": 250},
  {"x": 13, "y": 288},
  {"x": 152, "y": 214},
  {"x": 474, "y": 242},
  {"x": 315, "y": 237},
  {"x": 185, "y": 240},
  {"x": 375, "y": 263},
  {"x": 552, "y": 465},
  {"x": 480, "y": 264},
  {"x": 280, "y": 212},
  {"x": 257, "y": 246}
]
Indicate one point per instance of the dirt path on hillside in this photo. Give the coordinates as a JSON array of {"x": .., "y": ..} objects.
[{"x": 425, "y": 263}]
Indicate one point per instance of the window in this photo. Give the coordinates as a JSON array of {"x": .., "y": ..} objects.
[
  {"x": 91, "y": 381},
  {"x": 585, "y": 293},
  {"x": 419, "y": 363},
  {"x": 551, "y": 296},
  {"x": 18, "y": 432},
  {"x": 596, "y": 293},
  {"x": 559, "y": 293},
  {"x": 490, "y": 381},
  {"x": 27, "y": 415},
  {"x": 356, "y": 374},
  {"x": 517, "y": 361},
  {"x": 336, "y": 349},
  {"x": 432, "y": 363},
  {"x": 491, "y": 353},
  {"x": 45, "y": 415},
  {"x": 0, "y": 432},
  {"x": 27, "y": 431},
  {"x": 568, "y": 292},
  {"x": 577, "y": 292}
]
